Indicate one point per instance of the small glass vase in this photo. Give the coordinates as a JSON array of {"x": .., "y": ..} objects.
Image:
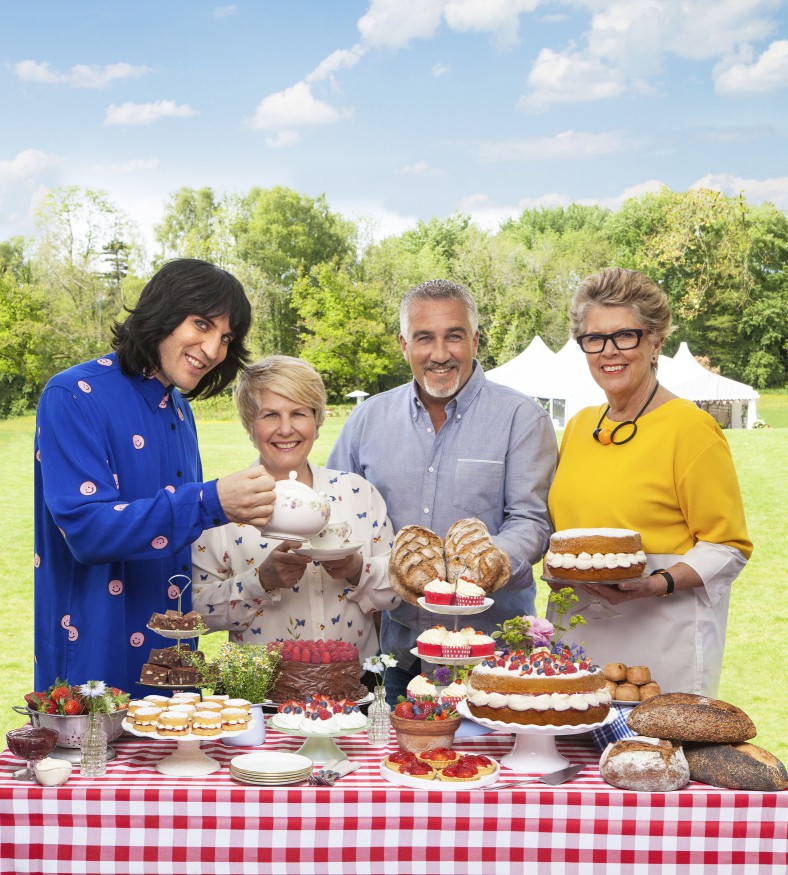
[
  {"x": 379, "y": 714},
  {"x": 93, "y": 749}
]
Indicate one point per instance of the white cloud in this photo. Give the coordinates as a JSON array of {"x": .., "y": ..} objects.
[
  {"x": 422, "y": 168},
  {"x": 376, "y": 221},
  {"x": 146, "y": 113},
  {"x": 392, "y": 24},
  {"x": 489, "y": 215},
  {"x": 224, "y": 11},
  {"x": 22, "y": 179},
  {"x": 767, "y": 73},
  {"x": 628, "y": 41},
  {"x": 567, "y": 144},
  {"x": 439, "y": 70},
  {"x": 295, "y": 107},
  {"x": 79, "y": 76},
  {"x": 499, "y": 17},
  {"x": 341, "y": 59},
  {"x": 774, "y": 190},
  {"x": 136, "y": 165}
]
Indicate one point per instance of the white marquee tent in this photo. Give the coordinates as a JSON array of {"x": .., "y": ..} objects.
[{"x": 561, "y": 382}]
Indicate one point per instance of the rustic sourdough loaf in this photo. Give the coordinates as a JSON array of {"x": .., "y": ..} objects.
[
  {"x": 416, "y": 559},
  {"x": 650, "y": 765},
  {"x": 736, "y": 766},
  {"x": 687, "y": 717},
  {"x": 469, "y": 549}
]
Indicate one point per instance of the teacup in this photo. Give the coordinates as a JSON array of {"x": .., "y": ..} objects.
[{"x": 333, "y": 535}]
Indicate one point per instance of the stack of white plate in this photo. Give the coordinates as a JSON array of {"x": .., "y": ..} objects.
[{"x": 270, "y": 768}]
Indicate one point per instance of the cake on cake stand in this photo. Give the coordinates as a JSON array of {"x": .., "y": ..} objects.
[
  {"x": 534, "y": 746},
  {"x": 187, "y": 760}
]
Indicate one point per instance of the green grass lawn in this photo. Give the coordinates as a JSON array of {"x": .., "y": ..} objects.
[{"x": 754, "y": 662}]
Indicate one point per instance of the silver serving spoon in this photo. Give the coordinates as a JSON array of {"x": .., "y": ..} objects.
[{"x": 554, "y": 778}]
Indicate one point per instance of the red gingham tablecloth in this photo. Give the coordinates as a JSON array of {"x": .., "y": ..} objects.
[{"x": 136, "y": 820}]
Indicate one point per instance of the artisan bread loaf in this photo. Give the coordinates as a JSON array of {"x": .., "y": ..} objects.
[
  {"x": 687, "y": 717},
  {"x": 416, "y": 559},
  {"x": 736, "y": 766},
  {"x": 651, "y": 765},
  {"x": 470, "y": 551}
]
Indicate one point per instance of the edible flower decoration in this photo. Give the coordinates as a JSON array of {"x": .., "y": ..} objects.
[{"x": 525, "y": 633}]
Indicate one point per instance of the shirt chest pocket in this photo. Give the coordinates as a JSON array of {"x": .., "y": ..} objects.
[{"x": 478, "y": 486}]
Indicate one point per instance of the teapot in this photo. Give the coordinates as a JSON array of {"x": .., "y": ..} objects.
[{"x": 299, "y": 512}]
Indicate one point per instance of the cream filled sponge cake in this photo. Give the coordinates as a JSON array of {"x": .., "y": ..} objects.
[
  {"x": 595, "y": 554},
  {"x": 539, "y": 688}
]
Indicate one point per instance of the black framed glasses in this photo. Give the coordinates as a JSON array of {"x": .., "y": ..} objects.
[{"x": 627, "y": 338}]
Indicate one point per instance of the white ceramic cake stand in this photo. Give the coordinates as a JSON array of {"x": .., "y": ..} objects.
[
  {"x": 187, "y": 760},
  {"x": 319, "y": 747},
  {"x": 534, "y": 746}
]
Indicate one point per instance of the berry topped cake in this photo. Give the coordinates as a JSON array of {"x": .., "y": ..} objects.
[
  {"x": 541, "y": 688},
  {"x": 325, "y": 668}
]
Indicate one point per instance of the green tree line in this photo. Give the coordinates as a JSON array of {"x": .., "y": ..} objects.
[{"x": 320, "y": 291}]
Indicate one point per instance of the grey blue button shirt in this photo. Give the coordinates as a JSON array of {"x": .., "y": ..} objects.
[{"x": 493, "y": 458}]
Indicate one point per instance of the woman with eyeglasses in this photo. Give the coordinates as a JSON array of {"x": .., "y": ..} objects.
[{"x": 656, "y": 464}]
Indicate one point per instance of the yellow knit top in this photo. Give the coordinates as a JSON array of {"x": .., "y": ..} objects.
[{"x": 674, "y": 482}]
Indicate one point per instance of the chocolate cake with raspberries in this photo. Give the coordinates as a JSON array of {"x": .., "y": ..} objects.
[{"x": 323, "y": 668}]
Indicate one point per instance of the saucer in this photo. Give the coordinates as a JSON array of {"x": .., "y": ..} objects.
[{"x": 329, "y": 553}]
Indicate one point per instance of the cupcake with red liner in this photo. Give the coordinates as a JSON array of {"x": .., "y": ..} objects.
[
  {"x": 439, "y": 592},
  {"x": 481, "y": 644},
  {"x": 468, "y": 593},
  {"x": 430, "y": 643},
  {"x": 421, "y": 687},
  {"x": 454, "y": 693},
  {"x": 455, "y": 646}
]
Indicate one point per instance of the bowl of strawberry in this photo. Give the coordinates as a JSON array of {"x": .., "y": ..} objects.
[
  {"x": 424, "y": 724},
  {"x": 61, "y": 707}
]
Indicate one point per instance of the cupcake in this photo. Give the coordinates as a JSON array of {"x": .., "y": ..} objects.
[
  {"x": 454, "y": 693},
  {"x": 421, "y": 687},
  {"x": 468, "y": 593},
  {"x": 481, "y": 644},
  {"x": 455, "y": 646},
  {"x": 429, "y": 643},
  {"x": 439, "y": 592}
]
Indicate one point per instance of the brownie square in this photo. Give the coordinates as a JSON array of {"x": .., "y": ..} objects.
[
  {"x": 159, "y": 621},
  {"x": 187, "y": 676},
  {"x": 153, "y": 674},
  {"x": 168, "y": 656}
]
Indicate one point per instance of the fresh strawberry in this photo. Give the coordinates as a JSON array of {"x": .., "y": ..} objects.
[
  {"x": 71, "y": 707},
  {"x": 34, "y": 700},
  {"x": 404, "y": 710},
  {"x": 47, "y": 706},
  {"x": 60, "y": 691}
]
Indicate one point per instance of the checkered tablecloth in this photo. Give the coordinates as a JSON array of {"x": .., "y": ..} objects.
[{"x": 136, "y": 820}]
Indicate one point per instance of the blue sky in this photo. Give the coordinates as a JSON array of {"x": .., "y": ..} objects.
[{"x": 396, "y": 110}]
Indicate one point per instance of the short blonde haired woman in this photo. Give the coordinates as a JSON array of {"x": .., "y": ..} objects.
[{"x": 255, "y": 586}]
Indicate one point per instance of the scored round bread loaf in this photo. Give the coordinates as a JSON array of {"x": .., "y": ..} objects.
[
  {"x": 416, "y": 559},
  {"x": 687, "y": 717},
  {"x": 470, "y": 550},
  {"x": 736, "y": 766},
  {"x": 650, "y": 765}
]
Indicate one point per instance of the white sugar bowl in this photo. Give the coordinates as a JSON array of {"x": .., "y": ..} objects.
[
  {"x": 299, "y": 512},
  {"x": 51, "y": 772}
]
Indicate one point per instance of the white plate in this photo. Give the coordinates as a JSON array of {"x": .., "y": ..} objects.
[
  {"x": 271, "y": 762},
  {"x": 321, "y": 554},
  {"x": 256, "y": 782},
  {"x": 177, "y": 634},
  {"x": 457, "y": 610},
  {"x": 436, "y": 783},
  {"x": 445, "y": 660},
  {"x": 531, "y": 729},
  {"x": 547, "y": 579}
]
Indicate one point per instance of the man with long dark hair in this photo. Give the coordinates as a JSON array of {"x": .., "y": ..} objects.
[{"x": 119, "y": 492}]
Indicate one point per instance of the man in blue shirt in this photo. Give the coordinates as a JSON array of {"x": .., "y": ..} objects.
[
  {"x": 119, "y": 496},
  {"x": 451, "y": 445}
]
